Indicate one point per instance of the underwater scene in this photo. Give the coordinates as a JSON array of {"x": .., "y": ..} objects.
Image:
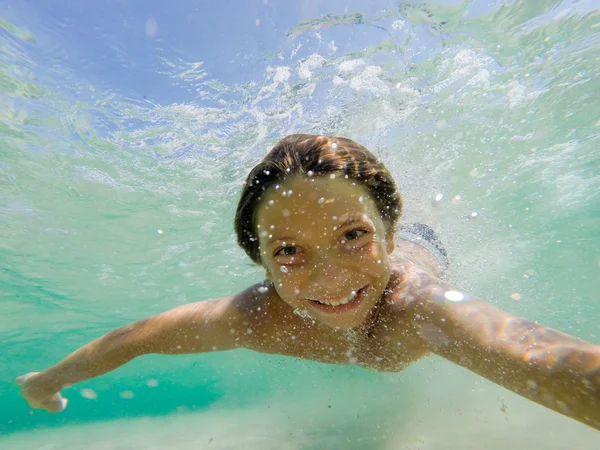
[{"x": 128, "y": 128}]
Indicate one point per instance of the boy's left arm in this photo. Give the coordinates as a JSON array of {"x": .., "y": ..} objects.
[{"x": 544, "y": 365}]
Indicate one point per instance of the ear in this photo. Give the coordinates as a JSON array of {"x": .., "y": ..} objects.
[{"x": 390, "y": 243}]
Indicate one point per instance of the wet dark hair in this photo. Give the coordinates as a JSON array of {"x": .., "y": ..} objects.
[{"x": 310, "y": 155}]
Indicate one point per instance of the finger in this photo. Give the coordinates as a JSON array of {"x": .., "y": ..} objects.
[
  {"x": 20, "y": 380},
  {"x": 56, "y": 405},
  {"x": 56, "y": 400}
]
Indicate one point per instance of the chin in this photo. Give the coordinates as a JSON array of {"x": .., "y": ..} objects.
[
  {"x": 350, "y": 315},
  {"x": 348, "y": 324}
]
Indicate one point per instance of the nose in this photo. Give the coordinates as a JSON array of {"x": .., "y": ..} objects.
[{"x": 328, "y": 278}]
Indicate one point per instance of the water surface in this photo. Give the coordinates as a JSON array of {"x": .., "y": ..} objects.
[{"x": 120, "y": 119}]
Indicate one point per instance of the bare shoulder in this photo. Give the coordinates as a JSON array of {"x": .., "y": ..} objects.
[
  {"x": 411, "y": 283},
  {"x": 262, "y": 314},
  {"x": 408, "y": 252},
  {"x": 259, "y": 302}
]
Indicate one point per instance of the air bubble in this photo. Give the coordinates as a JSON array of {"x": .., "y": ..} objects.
[
  {"x": 562, "y": 406},
  {"x": 89, "y": 394},
  {"x": 151, "y": 382},
  {"x": 361, "y": 199},
  {"x": 284, "y": 269},
  {"x": 439, "y": 197},
  {"x": 262, "y": 289},
  {"x": 127, "y": 394},
  {"x": 151, "y": 27},
  {"x": 321, "y": 200},
  {"x": 159, "y": 231},
  {"x": 334, "y": 146},
  {"x": 454, "y": 296}
]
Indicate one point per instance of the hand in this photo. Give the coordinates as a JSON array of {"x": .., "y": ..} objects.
[{"x": 33, "y": 391}]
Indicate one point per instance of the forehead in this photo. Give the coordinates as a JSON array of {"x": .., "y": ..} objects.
[{"x": 302, "y": 203}]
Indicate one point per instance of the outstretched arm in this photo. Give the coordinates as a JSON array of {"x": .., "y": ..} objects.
[
  {"x": 194, "y": 328},
  {"x": 544, "y": 365}
]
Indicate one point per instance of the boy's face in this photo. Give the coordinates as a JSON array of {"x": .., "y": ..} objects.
[{"x": 324, "y": 246}]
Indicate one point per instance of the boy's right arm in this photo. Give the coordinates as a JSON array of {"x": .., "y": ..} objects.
[{"x": 204, "y": 326}]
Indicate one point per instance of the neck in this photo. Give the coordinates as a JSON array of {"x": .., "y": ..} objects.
[{"x": 360, "y": 333}]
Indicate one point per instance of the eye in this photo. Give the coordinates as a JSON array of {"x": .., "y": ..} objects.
[
  {"x": 354, "y": 234},
  {"x": 290, "y": 250}
]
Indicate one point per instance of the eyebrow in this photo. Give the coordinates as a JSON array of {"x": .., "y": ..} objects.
[
  {"x": 355, "y": 218},
  {"x": 349, "y": 221},
  {"x": 284, "y": 238}
]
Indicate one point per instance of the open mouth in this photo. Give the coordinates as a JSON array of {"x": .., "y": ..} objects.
[{"x": 342, "y": 305}]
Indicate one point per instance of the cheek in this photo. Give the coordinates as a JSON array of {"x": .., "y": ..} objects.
[
  {"x": 289, "y": 291},
  {"x": 372, "y": 253},
  {"x": 374, "y": 260},
  {"x": 286, "y": 282}
]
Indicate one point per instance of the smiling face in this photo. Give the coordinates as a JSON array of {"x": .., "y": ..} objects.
[{"x": 323, "y": 244}]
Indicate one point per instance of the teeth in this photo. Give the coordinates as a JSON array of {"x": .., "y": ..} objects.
[{"x": 339, "y": 302}]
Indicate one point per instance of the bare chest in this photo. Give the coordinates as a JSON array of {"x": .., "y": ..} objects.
[{"x": 383, "y": 350}]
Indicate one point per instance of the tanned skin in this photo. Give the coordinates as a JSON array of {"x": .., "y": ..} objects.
[
  {"x": 405, "y": 311},
  {"x": 541, "y": 364}
]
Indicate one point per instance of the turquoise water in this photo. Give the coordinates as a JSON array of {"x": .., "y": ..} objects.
[{"x": 118, "y": 121}]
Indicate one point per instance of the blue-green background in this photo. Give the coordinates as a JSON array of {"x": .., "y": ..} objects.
[{"x": 121, "y": 118}]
